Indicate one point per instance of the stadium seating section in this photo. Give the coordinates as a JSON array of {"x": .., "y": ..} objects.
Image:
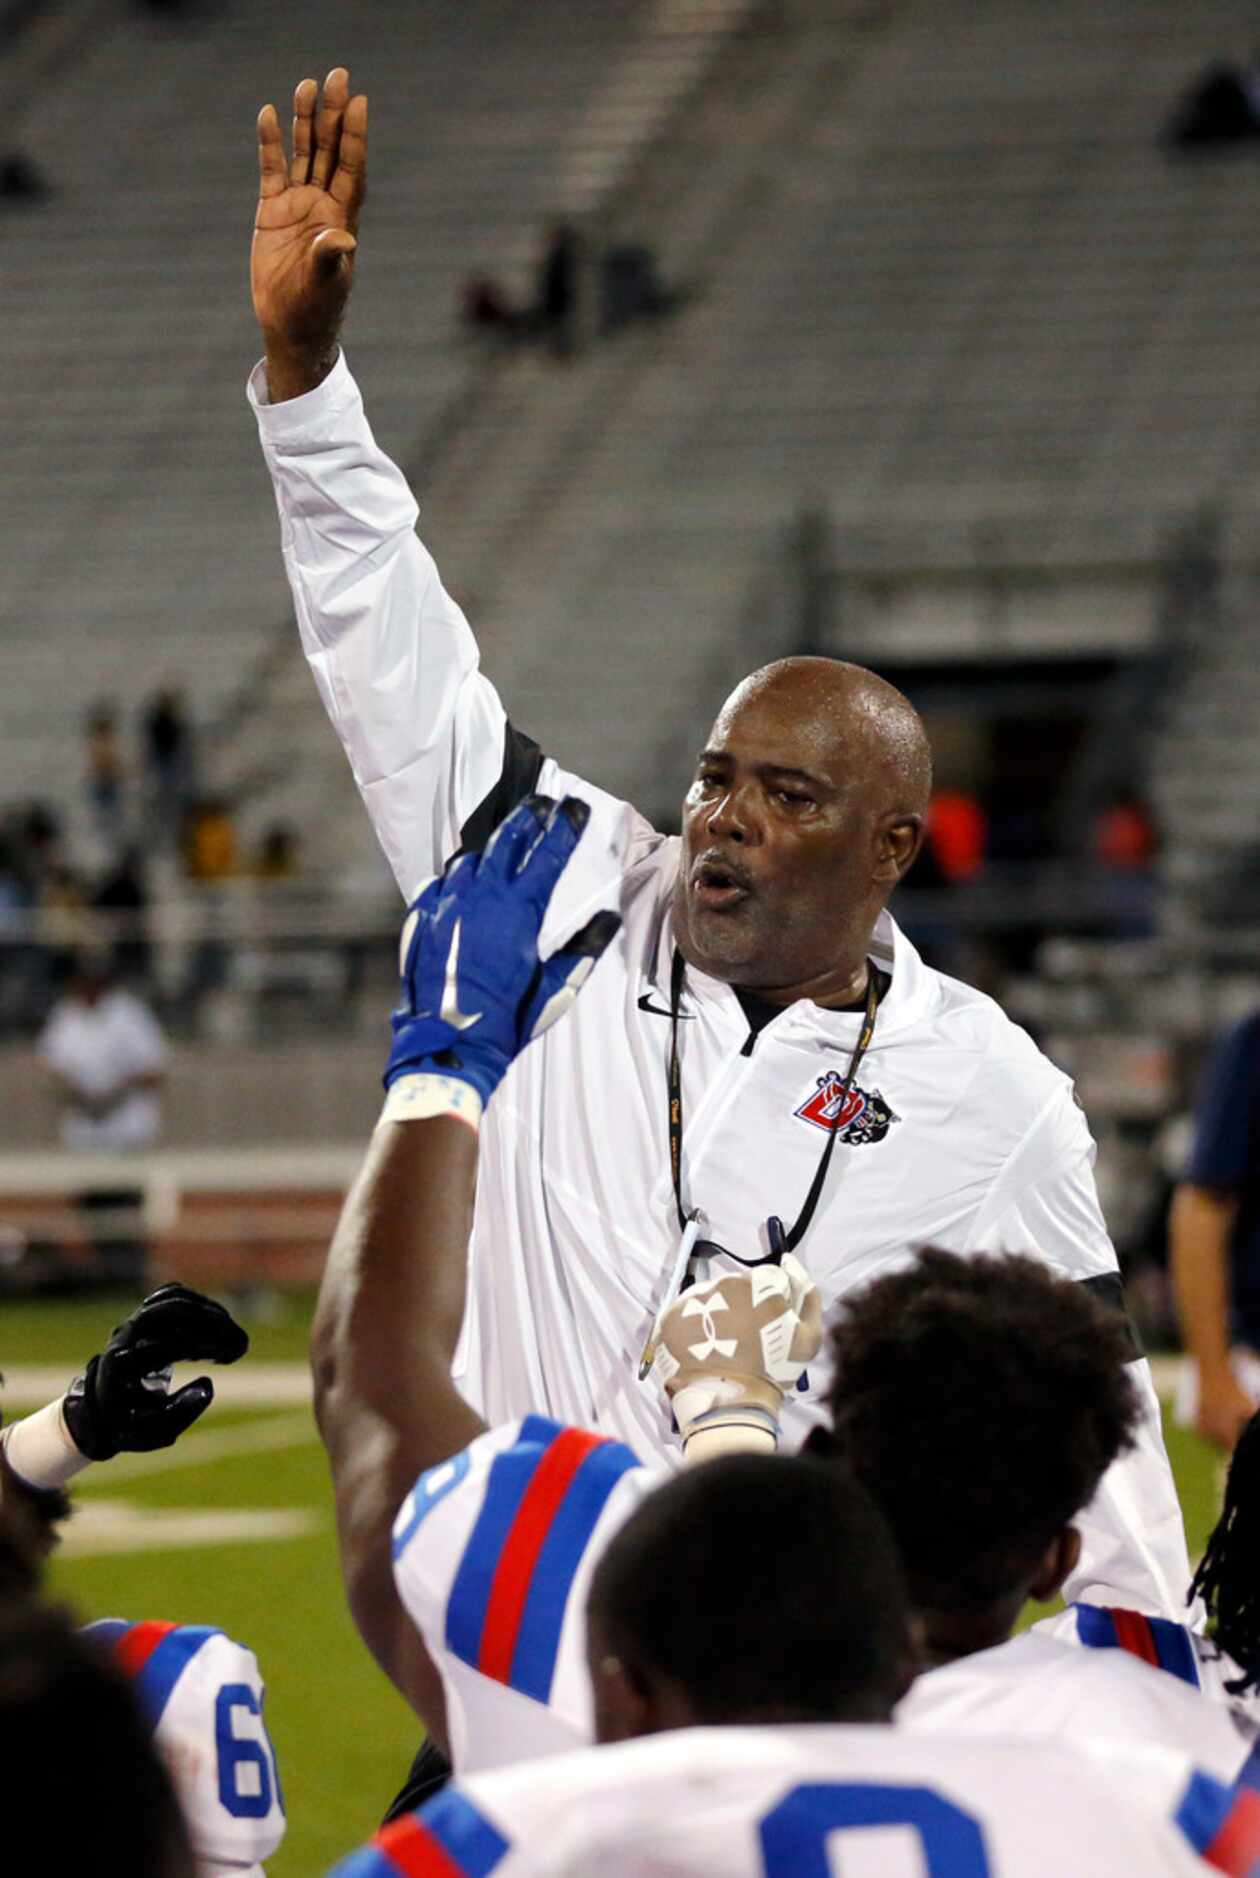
[{"x": 942, "y": 278}]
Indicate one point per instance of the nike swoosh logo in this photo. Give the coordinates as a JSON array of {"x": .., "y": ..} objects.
[
  {"x": 654, "y": 1010},
  {"x": 450, "y": 1012}
]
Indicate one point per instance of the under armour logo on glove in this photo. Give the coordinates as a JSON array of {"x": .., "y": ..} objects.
[
  {"x": 474, "y": 991},
  {"x": 727, "y": 1352},
  {"x": 693, "y": 1305}
]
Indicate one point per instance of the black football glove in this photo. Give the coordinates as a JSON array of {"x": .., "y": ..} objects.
[{"x": 122, "y": 1404}]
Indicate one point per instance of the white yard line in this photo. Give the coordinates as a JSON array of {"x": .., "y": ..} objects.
[
  {"x": 102, "y": 1527},
  {"x": 245, "y": 1385},
  {"x": 199, "y": 1449}
]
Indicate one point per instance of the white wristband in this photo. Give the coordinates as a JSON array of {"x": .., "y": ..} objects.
[
  {"x": 417, "y": 1098},
  {"x": 41, "y": 1449}
]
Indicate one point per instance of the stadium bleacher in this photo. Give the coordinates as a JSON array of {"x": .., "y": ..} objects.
[{"x": 139, "y": 536}]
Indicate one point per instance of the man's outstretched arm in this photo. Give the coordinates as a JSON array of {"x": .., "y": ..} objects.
[
  {"x": 474, "y": 993},
  {"x": 435, "y": 758},
  {"x": 392, "y": 656}
]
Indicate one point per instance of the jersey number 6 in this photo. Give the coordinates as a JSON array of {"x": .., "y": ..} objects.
[
  {"x": 794, "y": 1834},
  {"x": 247, "y": 1766}
]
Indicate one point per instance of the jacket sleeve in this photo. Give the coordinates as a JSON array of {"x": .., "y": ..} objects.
[
  {"x": 392, "y": 655},
  {"x": 1045, "y": 1201}
]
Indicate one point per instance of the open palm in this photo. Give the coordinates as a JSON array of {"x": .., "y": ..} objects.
[{"x": 301, "y": 262}]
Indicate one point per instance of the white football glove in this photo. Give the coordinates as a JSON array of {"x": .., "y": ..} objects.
[{"x": 729, "y": 1350}]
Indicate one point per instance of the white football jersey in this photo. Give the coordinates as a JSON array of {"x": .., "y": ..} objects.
[
  {"x": 806, "y": 1802},
  {"x": 1040, "y": 1685},
  {"x": 203, "y": 1696},
  {"x": 493, "y": 1556},
  {"x": 1184, "y": 1653}
]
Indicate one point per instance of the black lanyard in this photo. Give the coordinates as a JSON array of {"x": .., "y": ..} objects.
[{"x": 806, "y": 1214}]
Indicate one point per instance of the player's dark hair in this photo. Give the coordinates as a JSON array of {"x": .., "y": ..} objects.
[
  {"x": 980, "y": 1400},
  {"x": 1228, "y": 1578},
  {"x": 766, "y": 1588},
  {"x": 87, "y": 1791}
]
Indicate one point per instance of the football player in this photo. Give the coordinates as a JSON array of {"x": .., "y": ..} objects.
[
  {"x": 202, "y": 1697},
  {"x": 749, "y": 1628},
  {"x": 1223, "y": 1662},
  {"x": 978, "y": 1400},
  {"x": 85, "y": 1791},
  {"x": 122, "y": 1403}
]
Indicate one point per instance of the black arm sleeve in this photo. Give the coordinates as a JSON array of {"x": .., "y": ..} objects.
[
  {"x": 518, "y": 778},
  {"x": 1108, "y": 1288}
]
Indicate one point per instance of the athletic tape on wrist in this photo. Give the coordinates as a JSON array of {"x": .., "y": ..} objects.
[
  {"x": 747, "y": 1415},
  {"x": 41, "y": 1449},
  {"x": 418, "y": 1098},
  {"x": 729, "y": 1431}
]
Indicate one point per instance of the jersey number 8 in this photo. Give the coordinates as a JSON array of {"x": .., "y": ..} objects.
[{"x": 794, "y": 1834}]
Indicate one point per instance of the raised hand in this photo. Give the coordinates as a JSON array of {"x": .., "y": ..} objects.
[
  {"x": 474, "y": 991},
  {"x": 302, "y": 259},
  {"x": 122, "y": 1401}
]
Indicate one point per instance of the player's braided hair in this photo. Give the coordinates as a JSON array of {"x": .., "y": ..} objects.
[
  {"x": 980, "y": 1401},
  {"x": 1227, "y": 1578}
]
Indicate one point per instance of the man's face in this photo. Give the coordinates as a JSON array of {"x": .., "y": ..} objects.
[{"x": 780, "y": 845}]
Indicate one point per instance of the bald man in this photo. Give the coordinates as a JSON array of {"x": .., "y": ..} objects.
[{"x": 762, "y": 1060}]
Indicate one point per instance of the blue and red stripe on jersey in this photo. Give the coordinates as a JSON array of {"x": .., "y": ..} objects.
[
  {"x": 155, "y": 1656},
  {"x": 1156, "y": 1640},
  {"x": 544, "y": 1498},
  {"x": 1223, "y": 1825},
  {"x": 447, "y": 1838}
]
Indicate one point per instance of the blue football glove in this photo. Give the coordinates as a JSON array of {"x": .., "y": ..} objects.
[{"x": 474, "y": 991}]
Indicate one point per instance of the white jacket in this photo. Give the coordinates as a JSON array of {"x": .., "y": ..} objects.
[{"x": 982, "y": 1146}]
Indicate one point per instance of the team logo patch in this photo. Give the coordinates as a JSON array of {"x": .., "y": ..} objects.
[{"x": 859, "y": 1117}]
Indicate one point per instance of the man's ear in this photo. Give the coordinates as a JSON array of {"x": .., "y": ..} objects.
[
  {"x": 899, "y": 840},
  {"x": 913, "y": 1658},
  {"x": 1058, "y": 1562},
  {"x": 624, "y": 1708}
]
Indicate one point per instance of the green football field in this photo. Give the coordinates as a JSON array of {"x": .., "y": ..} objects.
[{"x": 234, "y": 1527}]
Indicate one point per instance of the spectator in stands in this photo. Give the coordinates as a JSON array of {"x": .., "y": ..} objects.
[
  {"x": 957, "y": 833},
  {"x": 556, "y": 302},
  {"x": 631, "y": 288},
  {"x": 167, "y": 764},
  {"x": 106, "y": 1058},
  {"x": 551, "y": 317},
  {"x": 38, "y": 834},
  {"x": 1215, "y": 1241},
  {"x": 21, "y": 179},
  {"x": 105, "y": 770},
  {"x": 1122, "y": 845},
  {"x": 278, "y": 854},
  {"x": 485, "y": 308},
  {"x": 210, "y": 850},
  {"x": 1123, "y": 834},
  {"x": 13, "y": 894},
  {"x": 123, "y": 896},
  {"x": 1221, "y": 109}
]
